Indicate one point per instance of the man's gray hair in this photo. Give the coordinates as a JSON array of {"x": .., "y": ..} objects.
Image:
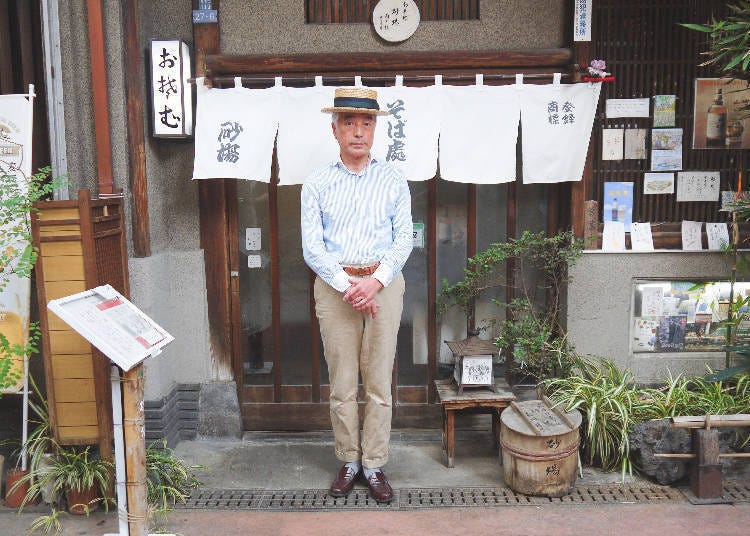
[{"x": 335, "y": 117}]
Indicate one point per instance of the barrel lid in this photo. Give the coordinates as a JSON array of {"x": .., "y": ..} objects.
[{"x": 539, "y": 418}]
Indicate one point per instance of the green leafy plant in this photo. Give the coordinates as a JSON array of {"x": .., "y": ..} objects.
[
  {"x": 609, "y": 403},
  {"x": 47, "y": 523},
  {"x": 18, "y": 255},
  {"x": 17, "y": 198},
  {"x": 729, "y": 41},
  {"x": 531, "y": 328},
  {"x": 169, "y": 481},
  {"x": 70, "y": 469}
]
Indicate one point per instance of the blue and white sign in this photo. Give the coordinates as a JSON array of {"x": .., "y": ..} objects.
[{"x": 582, "y": 20}]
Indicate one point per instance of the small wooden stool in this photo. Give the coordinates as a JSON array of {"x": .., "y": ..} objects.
[{"x": 479, "y": 399}]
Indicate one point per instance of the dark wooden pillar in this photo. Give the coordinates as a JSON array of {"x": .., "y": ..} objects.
[
  {"x": 214, "y": 228},
  {"x": 134, "y": 80},
  {"x": 583, "y": 190}
]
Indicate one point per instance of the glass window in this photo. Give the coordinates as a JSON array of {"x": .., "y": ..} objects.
[{"x": 685, "y": 316}]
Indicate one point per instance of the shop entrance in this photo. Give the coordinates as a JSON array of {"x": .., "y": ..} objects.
[{"x": 278, "y": 358}]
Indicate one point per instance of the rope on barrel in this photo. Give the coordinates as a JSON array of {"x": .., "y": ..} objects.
[{"x": 535, "y": 456}]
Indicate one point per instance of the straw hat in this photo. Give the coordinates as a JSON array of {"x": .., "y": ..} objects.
[{"x": 355, "y": 100}]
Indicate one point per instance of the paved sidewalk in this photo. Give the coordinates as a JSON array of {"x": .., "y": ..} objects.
[
  {"x": 297, "y": 462},
  {"x": 590, "y": 520}
]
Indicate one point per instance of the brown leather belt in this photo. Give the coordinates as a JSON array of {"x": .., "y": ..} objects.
[{"x": 361, "y": 271}]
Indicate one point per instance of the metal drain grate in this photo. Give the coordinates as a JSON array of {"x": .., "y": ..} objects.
[
  {"x": 408, "y": 499},
  {"x": 737, "y": 491}
]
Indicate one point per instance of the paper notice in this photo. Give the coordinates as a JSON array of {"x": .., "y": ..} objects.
[
  {"x": 613, "y": 237},
  {"x": 640, "y": 237},
  {"x": 691, "y": 235},
  {"x": 718, "y": 235},
  {"x": 612, "y": 139},
  {"x": 627, "y": 108}
]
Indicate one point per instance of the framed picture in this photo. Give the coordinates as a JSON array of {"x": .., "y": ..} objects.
[{"x": 718, "y": 117}]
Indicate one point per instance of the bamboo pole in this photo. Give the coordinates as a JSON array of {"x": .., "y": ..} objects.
[
  {"x": 717, "y": 421},
  {"x": 135, "y": 450}
]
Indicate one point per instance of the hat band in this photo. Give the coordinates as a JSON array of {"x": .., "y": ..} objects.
[{"x": 355, "y": 102}]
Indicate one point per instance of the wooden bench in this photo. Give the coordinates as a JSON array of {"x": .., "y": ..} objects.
[{"x": 478, "y": 399}]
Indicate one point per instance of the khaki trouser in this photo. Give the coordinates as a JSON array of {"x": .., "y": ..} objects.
[{"x": 356, "y": 343}]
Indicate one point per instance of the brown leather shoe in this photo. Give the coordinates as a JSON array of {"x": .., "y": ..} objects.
[
  {"x": 344, "y": 481},
  {"x": 380, "y": 489}
]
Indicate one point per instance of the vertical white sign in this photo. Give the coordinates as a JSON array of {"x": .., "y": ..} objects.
[
  {"x": 171, "y": 93},
  {"x": 582, "y": 20},
  {"x": 16, "y": 119}
]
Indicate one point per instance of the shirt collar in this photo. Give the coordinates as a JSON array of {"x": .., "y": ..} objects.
[{"x": 340, "y": 164}]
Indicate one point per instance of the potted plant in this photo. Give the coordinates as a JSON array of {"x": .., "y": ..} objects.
[
  {"x": 73, "y": 474},
  {"x": 531, "y": 331}
]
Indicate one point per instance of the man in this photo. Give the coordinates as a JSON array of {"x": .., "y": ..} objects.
[{"x": 356, "y": 236}]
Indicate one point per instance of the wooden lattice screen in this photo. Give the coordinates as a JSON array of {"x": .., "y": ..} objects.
[
  {"x": 650, "y": 54},
  {"x": 350, "y": 11}
]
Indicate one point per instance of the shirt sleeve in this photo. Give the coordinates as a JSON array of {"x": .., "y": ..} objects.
[
  {"x": 313, "y": 247},
  {"x": 395, "y": 258}
]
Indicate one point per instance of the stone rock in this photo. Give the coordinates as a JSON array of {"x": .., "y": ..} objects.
[
  {"x": 650, "y": 437},
  {"x": 219, "y": 411}
]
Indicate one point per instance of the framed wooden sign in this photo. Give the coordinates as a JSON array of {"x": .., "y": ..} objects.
[{"x": 106, "y": 319}]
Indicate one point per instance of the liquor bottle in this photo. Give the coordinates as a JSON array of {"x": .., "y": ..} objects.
[
  {"x": 614, "y": 209},
  {"x": 716, "y": 122}
]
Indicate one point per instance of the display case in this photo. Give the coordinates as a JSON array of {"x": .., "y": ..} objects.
[{"x": 685, "y": 316}]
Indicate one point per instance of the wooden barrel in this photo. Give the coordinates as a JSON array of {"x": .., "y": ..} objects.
[{"x": 539, "y": 448}]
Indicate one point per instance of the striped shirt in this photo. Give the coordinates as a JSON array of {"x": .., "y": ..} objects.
[{"x": 356, "y": 219}]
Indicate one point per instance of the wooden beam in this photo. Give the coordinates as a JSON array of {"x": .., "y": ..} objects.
[
  {"x": 583, "y": 190},
  {"x": 373, "y": 62},
  {"x": 214, "y": 227},
  {"x": 101, "y": 97},
  {"x": 134, "y": 76},
  {"x": 6, "y": 54},
  {"x": 432, "y": 322}
]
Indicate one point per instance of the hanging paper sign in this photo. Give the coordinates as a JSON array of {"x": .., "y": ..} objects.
[
  {"x": 664, "y": 110},
  {"x": 627, "y": 108},
  {"x": 640, "y": 237},
  {"x": 106, "y": 319},
  {"x": 718, "y": 235},
  {"x": 691, "y": 235},
  {"x": 16, "y": 115},
  {"x": 613, "y": 236},
  {"x": 395, "y": 20},
  {"x": 658, "y": 183},
  {"x": 635, "y": 143},
  {"x": 582, "y": 20},
  {"x": 698, "y": 186},
  {"x": 171, "y": 93}
]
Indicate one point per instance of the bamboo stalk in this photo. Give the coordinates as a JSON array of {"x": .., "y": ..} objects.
[
  {"x": 717, "y": 421},
  {"x": 135, "y": 450}
]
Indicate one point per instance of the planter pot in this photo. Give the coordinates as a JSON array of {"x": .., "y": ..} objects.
[
  {"x": 78, "y": 501},
  {"x": 14, "y": 497}
]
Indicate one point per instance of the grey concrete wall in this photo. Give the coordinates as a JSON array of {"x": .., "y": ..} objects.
[
  {"x": 170, "y": 287},
  {"x": 260, "y": 27},
  {"x": 600, "y": 304}
]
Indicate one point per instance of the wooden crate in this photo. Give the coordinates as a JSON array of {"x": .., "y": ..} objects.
[{"x": 81, "y": 245}]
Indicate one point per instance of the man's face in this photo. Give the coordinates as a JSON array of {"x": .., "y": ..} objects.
[{"x": 355, "y": 133}]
